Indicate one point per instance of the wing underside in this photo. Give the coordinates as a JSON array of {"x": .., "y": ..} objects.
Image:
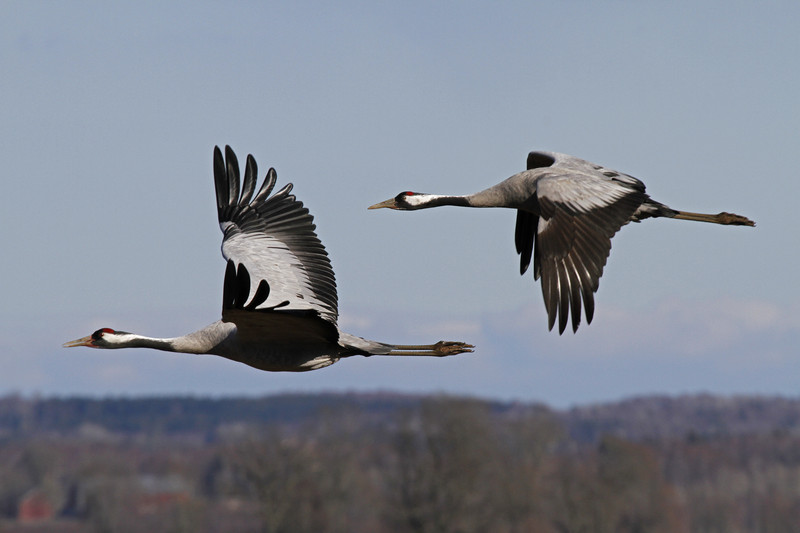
[{"x": 570, "y": 236}]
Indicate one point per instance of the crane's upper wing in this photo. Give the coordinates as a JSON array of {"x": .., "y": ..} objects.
[
  {"x": 581, "y": 206},
  {"x": 273, "y": 253}
]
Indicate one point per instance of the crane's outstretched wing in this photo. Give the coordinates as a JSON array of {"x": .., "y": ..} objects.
[
  {"x": 581, "y": 206},
  {"x": 273, "y": 253}
]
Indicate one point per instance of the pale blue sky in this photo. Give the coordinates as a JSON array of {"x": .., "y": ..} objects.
[{"x": 109, "y": 114}]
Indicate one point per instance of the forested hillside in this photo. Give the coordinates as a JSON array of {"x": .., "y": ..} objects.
[{"x": 385, "y": 462}]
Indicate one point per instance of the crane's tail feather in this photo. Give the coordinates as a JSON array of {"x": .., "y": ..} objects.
[
  {"x": 731, "y": 219},
  {"x": 440, "y": 349}
]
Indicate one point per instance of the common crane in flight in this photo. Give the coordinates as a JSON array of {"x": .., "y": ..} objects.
[
  {"x": 567, "y": 211},
  {"x": 279, "y": 303}
]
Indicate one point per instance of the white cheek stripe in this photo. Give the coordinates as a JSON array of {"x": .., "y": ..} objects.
[{"x": 420, "y": 199}]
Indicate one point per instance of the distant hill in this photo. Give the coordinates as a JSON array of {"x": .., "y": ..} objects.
[
  {"x": 700, "y": 416},
  {"x": 637, "y": 419}
]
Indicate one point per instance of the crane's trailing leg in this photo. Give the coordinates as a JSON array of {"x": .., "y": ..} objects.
[
  {"x": 729, "y": 219},
  {"x": 440, "y": 349}
]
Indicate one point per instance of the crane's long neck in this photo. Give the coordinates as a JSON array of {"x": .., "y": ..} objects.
[
  {"x": 513, "y": 195},
  {"x": 201, "y": 341},
  {"x": 132, "y": 340},
  {"x": 487, "y": 198}
]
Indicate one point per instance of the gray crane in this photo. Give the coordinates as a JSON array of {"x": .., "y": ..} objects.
[
  {"x": 279, "y": 303},
  {"x": 567, "y": 211}
]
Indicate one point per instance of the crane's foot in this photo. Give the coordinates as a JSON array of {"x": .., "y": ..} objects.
[
  {"x": 733, "y": 219},
  {"x": 445, "y": 348}
]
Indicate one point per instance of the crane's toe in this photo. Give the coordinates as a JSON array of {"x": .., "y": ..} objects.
[
  {"x": 733, "y": 219},
  {"x": 445, "y": 348}
]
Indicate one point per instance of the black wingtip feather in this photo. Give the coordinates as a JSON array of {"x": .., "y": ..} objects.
[
  {"x": 523, "y": 238},
  {"x": 250, "y": 178},
  {"x": 261, "y": 295},
  {"x": 229, "y": 286},
  {"x": 242, "y": 286},
  {"x": 266, "y": 187},
  {"x": 232, "y": 166},
  {"x": 220, "y": 181},
  {"x": 550, "y": 299},
  {"x": 563, "y": 298},
  {"x": 588, "y": 304},
  {"x": 587, "y": 286},
  {"x": 575, "y": 294}
]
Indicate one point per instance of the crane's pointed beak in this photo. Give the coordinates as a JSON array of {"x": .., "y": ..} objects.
[
  {"x": 85, "y": 341},
  {"x": 390, "y": 203}
]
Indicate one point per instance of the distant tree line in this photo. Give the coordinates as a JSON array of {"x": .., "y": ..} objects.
[{"x": 392, "y": 463}]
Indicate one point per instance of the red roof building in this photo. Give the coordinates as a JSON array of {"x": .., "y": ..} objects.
[{"x": 35, "y": 506}]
